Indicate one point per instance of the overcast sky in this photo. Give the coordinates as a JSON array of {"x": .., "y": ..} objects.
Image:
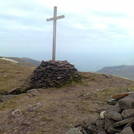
[{"x": 93, "y": 34}]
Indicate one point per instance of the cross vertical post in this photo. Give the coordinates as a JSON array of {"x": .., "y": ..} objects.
[
  {"x": 54, "y": 34},
  {"x": 54, "y": 19}
]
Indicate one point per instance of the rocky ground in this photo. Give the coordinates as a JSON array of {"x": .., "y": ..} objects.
[
  {"x": 53, "y": 110},
  {"x": 56, "y": 110},
  {"x": 116, "y": 119}
]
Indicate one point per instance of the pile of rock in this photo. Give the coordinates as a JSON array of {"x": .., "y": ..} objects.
[
  {"x": 49, "y": 74},
  {"x": 53, "y": 74},
  {"x": 118, "y": 119}
]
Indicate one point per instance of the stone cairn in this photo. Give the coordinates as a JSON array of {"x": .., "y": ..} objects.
[
  {"x": 49, "y": 74},
  {"x": 53, "y": 74},
  {"x": 118, "y": 119}
]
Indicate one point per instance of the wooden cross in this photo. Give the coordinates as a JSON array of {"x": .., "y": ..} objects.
[{"x": 54, "y": 19}]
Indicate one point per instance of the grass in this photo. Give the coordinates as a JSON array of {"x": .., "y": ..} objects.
[
  {"x": 9, "y": 104},
  {"x": 12, "y": 75}
]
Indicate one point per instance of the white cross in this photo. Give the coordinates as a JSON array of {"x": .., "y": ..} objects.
[{"x": 54, "y": 19}]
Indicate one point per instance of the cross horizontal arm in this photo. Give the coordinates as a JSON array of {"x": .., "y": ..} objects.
[{"x": 58, "y": 17}]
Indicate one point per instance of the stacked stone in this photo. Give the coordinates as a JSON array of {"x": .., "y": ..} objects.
[
  {"x": 118, "y": 119},
  {"x": 53, "y": 74}
]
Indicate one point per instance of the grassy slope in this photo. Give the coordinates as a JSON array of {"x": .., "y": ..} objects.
[
  {"x": 12, "y": 75},
  {"x": 54, "y": 111},
  {"x": 126, "y": 71},
  {"x": 27, "y": 61}
]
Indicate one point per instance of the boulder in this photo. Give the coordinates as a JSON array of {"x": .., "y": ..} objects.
[
  {"x": 113, "y": 115},
  {"x": 126, "y": 103}
]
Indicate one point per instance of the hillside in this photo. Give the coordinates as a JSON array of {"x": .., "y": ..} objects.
[
  {"x": 125, "y": 71},
  {"x": 55, "y": 110},
  {"x": 23, "y": 61},
  {"x": 12, "y": 75}
]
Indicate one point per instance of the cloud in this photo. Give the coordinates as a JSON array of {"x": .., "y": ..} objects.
[
  {"x": 97, "y": 14},
  {"x": 97, "y": 26}
]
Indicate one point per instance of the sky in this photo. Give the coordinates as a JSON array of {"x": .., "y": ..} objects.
[{"x": 93, "y": 34}]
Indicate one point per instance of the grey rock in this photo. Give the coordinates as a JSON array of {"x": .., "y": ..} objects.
[
  {"x": 127, "y": 130},
  {"x": 115, "y": 108},
  {"x": 118, "y": 126},
  {"x": 128, "y": 113},
  {"x": 112, "y": 130},
  {"x": 113, "y": 115},
  {"x": 112, "y": 102},
  {"x": 123, "y": 122},
  {"x": 74, "y": 131},
  {"x": 126, "y": 103},
  {"x": 131, "y": 94},
  {"x": 91, "y": 128},
  {"x": 108, "y": 123}
]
